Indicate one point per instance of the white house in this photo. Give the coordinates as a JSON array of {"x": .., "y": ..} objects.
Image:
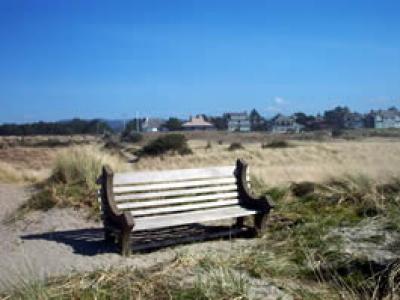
[
  {"x": 238, "y": 122},
  {"x": 152, "y": 124},
  {"x": 284, "y": 124}
]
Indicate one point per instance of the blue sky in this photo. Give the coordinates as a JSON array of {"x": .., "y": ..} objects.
[{"x": 111, "y": 59}]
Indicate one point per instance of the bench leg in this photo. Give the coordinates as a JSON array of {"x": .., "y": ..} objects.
[
  {"x": 125, "y": 243},
  {"x": 108, "y": 236},
  {"x": 260, "y": 223},
  {"x": 239, "y": 222}
]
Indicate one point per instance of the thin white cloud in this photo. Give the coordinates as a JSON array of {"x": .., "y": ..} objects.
[{"x": 279, "y": 100}]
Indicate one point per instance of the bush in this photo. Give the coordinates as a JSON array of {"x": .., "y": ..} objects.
[
  {"x": 235, "y": 146},
  {"x": 175, "y": 143},
  {"x": 132, "y": 137},
  {"x": 337, "y": 132},
  {"x": 276, "y": 144}
]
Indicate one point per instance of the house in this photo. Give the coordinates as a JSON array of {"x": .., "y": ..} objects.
[
  {"x": 152, "y": 124},
  {"x": 384, "y": 118},
  {"x": 238, "y": 122},
  {"x": 197, "y": 123},
  {"x": 353, "y": 121},
  {"x": 284, "y": 124}
]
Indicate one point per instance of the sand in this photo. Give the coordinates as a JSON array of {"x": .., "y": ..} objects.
[{"x": 59, "y": 241}]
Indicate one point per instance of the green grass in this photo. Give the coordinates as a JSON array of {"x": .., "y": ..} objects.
[
  {"x": 127, "y": 283},
  {"x": 297, "y": 252}
]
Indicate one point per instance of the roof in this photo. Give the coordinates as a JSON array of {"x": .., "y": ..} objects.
[
  {"x": 279, "y": 118},
  {"x": 197, "y": 121},
  {"x": 386, "y": 114}
]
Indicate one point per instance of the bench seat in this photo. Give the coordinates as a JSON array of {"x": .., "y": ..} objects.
[
  {"x": 192, "y": 217},
  {"x": 133, "y": 201}
]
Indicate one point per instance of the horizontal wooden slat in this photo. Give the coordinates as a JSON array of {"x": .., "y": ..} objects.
[
  {"x": 165, "y": 202},
  {"x": 186, "y": 239},
  {"x": 191, "y": 217},
  {"x": 171, "y": 193},
  {"x": 173, "y": 185},
  {"x": 177, "y": 208},
  {"x": 172, "y": 175}
]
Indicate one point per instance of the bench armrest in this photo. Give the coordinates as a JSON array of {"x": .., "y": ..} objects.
[
  {"x": 120, "y": 219},
  {"x": 246, "y": 196}
]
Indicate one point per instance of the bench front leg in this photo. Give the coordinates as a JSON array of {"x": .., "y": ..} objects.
[
  {"x": 260, "y": 223},
  {"x": 239, "y": 222},
  {"x": 125, "y": 242}
]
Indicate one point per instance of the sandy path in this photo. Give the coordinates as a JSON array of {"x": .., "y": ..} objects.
[
  {"x": 61, "y": 240},
  {"x": 56, "y": 242}
]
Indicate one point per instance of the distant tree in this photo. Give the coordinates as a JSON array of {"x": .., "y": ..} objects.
[
  {"x": 221, "y": 123},
  {"x": 134, "y": 125},
  {"x": 75, "y": 126},
  {"x": 173, "y": 124},
  {"x": 306, "y": 120},
  {"x": 257, "y": 122},
  {"x": 335, "y": 118}
]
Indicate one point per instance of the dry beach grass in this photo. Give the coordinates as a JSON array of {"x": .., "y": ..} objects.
[
  {"x": 353, "y": 197},
  {"x": 304, "y": 160},
  {"x": 377, "y": 158}
]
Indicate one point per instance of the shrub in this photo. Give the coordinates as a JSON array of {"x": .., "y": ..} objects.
[
  {"x": 337, "y": 132},
  {"x": 235, "y": 146},
  {"x": 175, "y": 143},
  {"x": 276, "y": 144},
  {"x": 132, "y": 137},
  {"x": 302, "y": 189}
]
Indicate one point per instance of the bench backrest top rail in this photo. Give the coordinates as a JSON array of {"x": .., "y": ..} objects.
[{"x": 172, "y": 175}]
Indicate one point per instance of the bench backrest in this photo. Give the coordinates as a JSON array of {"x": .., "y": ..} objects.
[{"x": 163, "y": 192}]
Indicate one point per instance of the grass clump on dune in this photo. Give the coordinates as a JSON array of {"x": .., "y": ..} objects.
[
  {"x": 303, "y": 243},
  {"x": 73, "y": 179},
  {"x": 170, "y": 143},
  {"x": 235, "y": 146},
  {"x": 276, "y": 144},
  {"x": 167, "y": 281}
]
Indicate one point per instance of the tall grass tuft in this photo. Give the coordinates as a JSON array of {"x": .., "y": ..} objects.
[
  {"x": 73, "y": 180},
  {"x": 82, "y": 165}
]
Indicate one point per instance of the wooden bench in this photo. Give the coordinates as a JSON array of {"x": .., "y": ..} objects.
[{"x": 149, "y": 200}]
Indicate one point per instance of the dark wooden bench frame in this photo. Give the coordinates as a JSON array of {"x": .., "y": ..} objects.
[{"x": 118, "y": 225}]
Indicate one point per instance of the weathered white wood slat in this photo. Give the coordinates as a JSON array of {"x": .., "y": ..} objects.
[
  {"x": 170, "y": 193},
  {"x": 173, "y": 185},
  {"x": 180, "y": 208},
  {"x": 164, "y": 202},
  {"x": 173, "y": 175},
  {"x": 191, "y": 217}
]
